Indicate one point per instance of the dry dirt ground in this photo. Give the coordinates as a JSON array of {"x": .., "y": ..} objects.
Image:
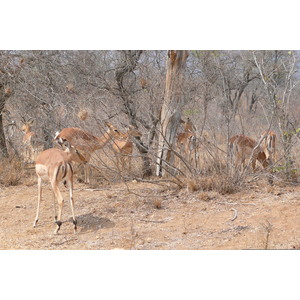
[{"x": 149, "y": 217}]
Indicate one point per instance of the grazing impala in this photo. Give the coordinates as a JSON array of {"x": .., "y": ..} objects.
[
  {"x": 242, "y": 146},
  {"x": 86, "y": 143},
  {"x": 269, "y": 143},
  {"x": 123, "y": 146},
  {"x": 27, "y": 140},
  {"x": 56, "y": 165}
]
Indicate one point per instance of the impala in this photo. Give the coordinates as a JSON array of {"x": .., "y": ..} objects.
[
  {"x": 269, "y": 143},
  {"x": 56, "y": 166},
  {"x": 27, "y": 140},
  {"x": 86, "y": 143},
  {"x": 188, "y": 125},
  {"x": 123, "y": 146},
  {"x": 186, "y": 141},
  {"x": 244, "y": 147}
]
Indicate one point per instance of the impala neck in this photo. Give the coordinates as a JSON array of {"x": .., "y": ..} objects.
[
  {"x": 27, "y": 130},
  {"x": 104, "y": 139}
]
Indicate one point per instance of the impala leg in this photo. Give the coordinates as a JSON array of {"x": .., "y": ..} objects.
[
  {"x": 54, "y": 206},
  {"x": 72, "y": 204},
  {"x": 254, "y": 163},
  {"x": 86, "y": 173},
  {"x": 39, "y": 200},
  {"x": 60, "y": 201}
]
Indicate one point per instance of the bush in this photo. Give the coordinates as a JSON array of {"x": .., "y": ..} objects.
[{"x": 11, "y": 172}]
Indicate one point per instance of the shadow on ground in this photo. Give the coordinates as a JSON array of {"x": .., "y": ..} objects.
[{"x": 90, "y": 222}]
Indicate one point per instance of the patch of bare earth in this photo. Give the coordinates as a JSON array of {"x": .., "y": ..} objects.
[{"x": 149, "y": 217}]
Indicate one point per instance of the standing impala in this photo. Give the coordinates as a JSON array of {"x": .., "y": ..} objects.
[
  {"x": 86, "y": 143},
  {"x": 123, "y": 146},
  {"x": 56, "y": 165},
  {"x": 29, "y": 150},
  {"x": 186, "y": 141},
  {"x": 242, "y": 147}
]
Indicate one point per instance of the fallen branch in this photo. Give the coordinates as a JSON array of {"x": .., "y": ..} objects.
[
  {"x": 91, "y": 190},
  {"x": 235, "y": 203},
  {"x": 150, "y": 221},
  {"x": 235, "y": 214}
]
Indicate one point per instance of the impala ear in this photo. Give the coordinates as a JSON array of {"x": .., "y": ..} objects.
[
  {"x": 30, "y": 121},
  {"x": 108, "y": 124}
]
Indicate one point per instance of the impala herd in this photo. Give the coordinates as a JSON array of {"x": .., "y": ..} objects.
[{"x": 55, "y": 164}]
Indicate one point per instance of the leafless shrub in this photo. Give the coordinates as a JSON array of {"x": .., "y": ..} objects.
[
  {"x": 11, "y": 172},
  {"x": 206, "y": 183},
  {"x": 220, "y": 183},
  {"x": 226, "y": 185},
  {"x": 227, "y": 97}
]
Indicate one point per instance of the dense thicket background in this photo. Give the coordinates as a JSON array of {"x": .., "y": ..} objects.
[{"x": 224, "y": 93}]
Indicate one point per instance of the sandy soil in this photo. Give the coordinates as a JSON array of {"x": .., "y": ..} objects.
[{"x": 147, "y": 217}]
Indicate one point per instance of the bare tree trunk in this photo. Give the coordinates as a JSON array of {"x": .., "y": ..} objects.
[
  {"x": 3, "y": 146},
  {"x": 129, "y": 64},
  {"x": 171, "y": 110}
]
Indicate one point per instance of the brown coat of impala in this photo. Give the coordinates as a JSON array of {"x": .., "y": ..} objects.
[
  {"x": 123, "y": 146},
  {"x": 55, "y": 165},
  {"x": 86, "y": 143},
  {"x": 241, "y": 147},
  {"x": 29, "y": 150},
  {"x": 186, "y": 140}
]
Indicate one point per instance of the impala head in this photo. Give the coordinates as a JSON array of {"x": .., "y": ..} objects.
[
  {"x": 59, "y": 140},
  {"x": 112, "y": 130},
  {"x": 76, "y": 155},
  {"x": 26, "y": 127}
]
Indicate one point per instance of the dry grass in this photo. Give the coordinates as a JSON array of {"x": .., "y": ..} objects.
[
  {"x": 192, "y": 185},
  {"x": 225, "y": 185},
  {"x": 11, "y": 172},
  {"x": 204, "y": 196},
  {"x": 157, "y": 203},
  {"x": 218, "y": 183}
]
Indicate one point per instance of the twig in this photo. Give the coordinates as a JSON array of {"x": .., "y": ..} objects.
[
  {"x": 150, "y": 221},
  {"x": 234, "y": 203},
  {"x": 268, "y": 227},
  {"x": 92, "y": 190},
  {"x": 235, "y": 214},
  {"x": 133, "y": 235}
]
